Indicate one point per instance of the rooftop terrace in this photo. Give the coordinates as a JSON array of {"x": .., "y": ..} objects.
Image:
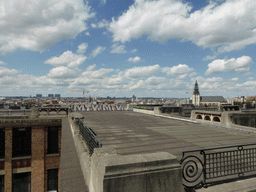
[{"x": 136, "y": 133}]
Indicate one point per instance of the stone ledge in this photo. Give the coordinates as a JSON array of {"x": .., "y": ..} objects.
[{"x": 154, "y": 172}]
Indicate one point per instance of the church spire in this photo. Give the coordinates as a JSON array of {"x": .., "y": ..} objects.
[{"x": 196, "y": 89}]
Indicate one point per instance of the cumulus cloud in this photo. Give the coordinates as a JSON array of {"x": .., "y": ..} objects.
[
  {"x": 235, "y": 79},
  {"x": 91, "y": 67},
  {"x": 98, "y": 74},
  {"x": 134, "y": 50},
  {"x": 2, "y": 63},
  {"x": 103, "y": 23},
  {"x": 135, "y": 59},
  {"x": 118, "y": 48},
  {"x": 37, "y": 25},
  {"x": 226, "y": 26},
  {"x": 239, "y": 65},
  {"x": 62, "y": 72},
  {"x": 8, "y": 72},
  {"x": 180, "y": 70},
  {"x": 97, "y": 51},
  {"x": 67, "y": 58},
  {"x": 138, "y": 72},
  {"x": 82, "y": 48}
]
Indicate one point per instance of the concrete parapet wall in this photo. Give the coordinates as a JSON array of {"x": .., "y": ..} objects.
[
  {"x": 146, "y": 172},
  {"x": 106, "y": 171},
  {"x": 144, "y": 110},
  {"x": 82, "y": 152},
  {"x": 227, "y": 121}
]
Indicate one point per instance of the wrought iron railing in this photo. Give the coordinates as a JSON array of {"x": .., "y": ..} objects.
[
  {"x": 201, "y": 168},
  {"x": 89, "y": 136}
]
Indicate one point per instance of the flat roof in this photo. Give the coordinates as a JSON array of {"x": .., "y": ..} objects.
[{"x": 136, "y": 133}]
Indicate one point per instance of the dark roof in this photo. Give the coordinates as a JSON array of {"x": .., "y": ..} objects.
[{"x": 212, "y": 99}]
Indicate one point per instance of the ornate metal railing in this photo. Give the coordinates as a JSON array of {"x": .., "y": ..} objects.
[
  {"x": 201, "y": 168},
  {"x": 89, "y": 136}
]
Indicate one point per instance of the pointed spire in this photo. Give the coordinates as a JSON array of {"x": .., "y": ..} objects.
[{"x": 196, "y": 89}]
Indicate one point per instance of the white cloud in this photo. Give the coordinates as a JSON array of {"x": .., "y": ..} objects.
[
  {"x": 62, "y": 72},
  {"x": 91, "y": 67},
  {"x": 250, "y": 78},
  {"x": 103, "y": 23},
  {"x": 248, "y": 84},
  {"x": 87, "y": 33},
  {"x": 134, "y": 50},
  {"x": 248, "y": 73},
  {"x": 81, "y": 49},
  {"x": 115, "y": 80},
  {"x": 208, "y": 57},
  {"x": 8, "y": 72},
  {"x": 235, "y": 79},
  {"x": 135, "y": 59},
  {"x": 2, "y": 63},
  {"x": 99, "y": 74},
  {"x": 138, "y": 72},
  {"x": 93, "y": 25},
  {"x": 103, "y": 1},
  {"x": 67, "y": 58},
  {"x": 229, "y": 25},
  {"x": 239, "y": 65},
  {"x": 192, "y": 74},
  {"x": 37, "y": 25},
  {"x": 180, "y": 70},
  {"x": 118, "y": 48},
  {"x": 97, "y": 51}
]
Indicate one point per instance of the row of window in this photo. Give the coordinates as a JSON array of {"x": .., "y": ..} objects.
[
  {"x": 22, "y": 141},
  {"x": 22, "y": 181}
]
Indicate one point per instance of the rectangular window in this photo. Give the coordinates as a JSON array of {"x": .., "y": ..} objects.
[
  {"x": 21, "y": 142},
  {"x": 53, "y": 141},
  {"x": 21, "y": 182},
  {"x": 2, "y": 142},
  {"x": 1, "y": 183},
  {"x": 52, "y": 180}
]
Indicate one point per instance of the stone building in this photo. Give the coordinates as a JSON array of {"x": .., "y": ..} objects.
[
  {"x": 208, "y": 101},
  {"x": 30, "y": 149}
]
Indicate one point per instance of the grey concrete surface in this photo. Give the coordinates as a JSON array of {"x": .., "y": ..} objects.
[
  {"x": 136, "y": 133},
  {"x": 71, "y": 176}
]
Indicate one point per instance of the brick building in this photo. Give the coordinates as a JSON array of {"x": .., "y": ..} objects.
[{"x": 30, "y": 150}]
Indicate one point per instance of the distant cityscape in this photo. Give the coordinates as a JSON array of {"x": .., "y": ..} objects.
[{"x": 23, "y": 102}]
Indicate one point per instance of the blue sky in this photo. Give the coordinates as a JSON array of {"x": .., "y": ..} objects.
[{"x": 122, "y": 48}]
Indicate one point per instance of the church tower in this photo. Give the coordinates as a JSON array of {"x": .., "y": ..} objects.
[{"x": 196, "y": 96}]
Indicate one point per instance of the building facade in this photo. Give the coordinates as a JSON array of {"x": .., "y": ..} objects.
[{"x": 30, "y": 151}]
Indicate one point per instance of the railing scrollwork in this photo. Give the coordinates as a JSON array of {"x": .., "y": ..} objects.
[{"x": 204, "y": 167}]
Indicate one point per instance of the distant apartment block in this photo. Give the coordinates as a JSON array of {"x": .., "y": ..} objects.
[
  {"x": 51, "y": 95},
  {"x": 57, "y": 96},
  {"x": 39, "y": 95},
  {"x": 30, "y": 154}
]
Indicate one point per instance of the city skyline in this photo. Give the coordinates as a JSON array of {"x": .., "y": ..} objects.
[{"x": 147, "y": 48}]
